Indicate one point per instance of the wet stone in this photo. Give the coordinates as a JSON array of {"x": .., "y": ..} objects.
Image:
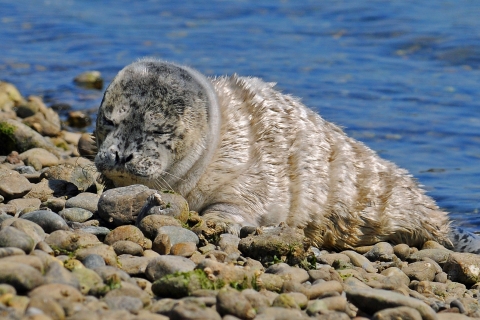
[
  {"x": 75, "y": 214},
  {"x": 48, "y": 220}
]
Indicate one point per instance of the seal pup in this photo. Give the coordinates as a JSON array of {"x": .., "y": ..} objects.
[{"x": 243, "y": 153}]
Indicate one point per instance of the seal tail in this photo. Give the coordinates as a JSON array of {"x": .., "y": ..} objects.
[{"x": 464, "y": 241}]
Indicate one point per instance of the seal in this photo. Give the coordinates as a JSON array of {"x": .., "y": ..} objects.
[{"x": 243, "y": 153}]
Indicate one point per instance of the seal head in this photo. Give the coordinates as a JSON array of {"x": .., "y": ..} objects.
[{"x": 153, "y": 124}]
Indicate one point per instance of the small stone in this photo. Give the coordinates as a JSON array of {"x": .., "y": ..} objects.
[
  {"x": 75, "y": 214},
  {"x": 382, "y": 251},
  {"x": 46, "y": 159},
  {"x": 323, "y": 288},
  {"x": 56, "y": 273},
  {"x": 230, "y": 301},
  {"x": 183, "y": 249},
  {"x": 178, "y": 234},
  {"x": 374, "y": 300},
  {"x": 78, "y": 119},
  {"x": 47, "y": 189},
  {"x": 128, "y": 289},
  {"x": 326, "y": 305},
  {"x": 11, "y": 251},
  {"x": 70, "y": 241},
  {"x": 288, "y": 273},
  {"x": 105, "y": 251},
  {"x": 164, "y": 265},
  {"x": 134, "y": 266},
  {"x": 280, "y": 241},
  {"x": 330, "y": 258},
  {"x": 291, "y": 300},
  {"x": 150, "y": 224},
  {"x": 270, "y": 282},
  {"x": 406, "y": 313},
  {"x": 438, "y": 255},
  {"x": 86, "y": 200},
  {"x": 25, "y": 170},
  {"x": 278, "y": 313},
  {"x": 165, "y": 203},
  {"x": 93, "y": 261},
  {"x": 48, "y": 220},
  {"x": 127, "y": 247},
  {"x": 54, "y": 204},
  {"x": 421, "y": 271},
  {"x": 21, "y": 276},
  {"x": 48, "y": 306},
  {"x": 131, "y": 304},
  {"x": 121, "y": 206},
  {"x": 192, "y": 311},
  {"x": 30, "y": 228},
  {"x": 360, "y": 261},
  {"x": 127, "y": 232},
  {"x": 463, "y": 268},
  {"x": 13, "y": 185},
  {"x": 12, "y": 237},
  {"x": 22, "y": 204}
]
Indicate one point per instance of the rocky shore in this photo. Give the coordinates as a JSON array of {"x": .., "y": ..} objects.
[{"x": 70, "y": 250}]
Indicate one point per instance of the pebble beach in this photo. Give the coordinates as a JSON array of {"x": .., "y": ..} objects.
[{"x": 72, "y": 247}]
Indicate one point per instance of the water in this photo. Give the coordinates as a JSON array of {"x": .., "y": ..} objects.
[{"x": 401, "y": 76}]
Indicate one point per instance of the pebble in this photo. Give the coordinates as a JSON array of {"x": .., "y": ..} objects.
[
  {"x": 22, "y": 277},
  {"x": 177, "y": 234},
  {"x": 86, "y": 200},
  {"x": 12, "y": 237},
  {"x": 150, "y": 224},
  {"x": 165, "y": 265},
  {"x": 127, "y": 247},
  {"x": 75, "y": 214},
  {"x": 127, "y": 232},
  {"x": 13, "y": 185},
  {"x": 48, "y": 220},
  {"x": 93, "y": 261},
  {"x": 121, "y": 206}
]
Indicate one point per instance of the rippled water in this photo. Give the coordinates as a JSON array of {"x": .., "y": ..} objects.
[{"x": 401, "y": 76}]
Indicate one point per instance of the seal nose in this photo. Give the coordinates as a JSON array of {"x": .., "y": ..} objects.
[{"x": 119, "y": 160}]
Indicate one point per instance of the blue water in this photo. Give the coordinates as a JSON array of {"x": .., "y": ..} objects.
[{"x": 401, "y": 76}]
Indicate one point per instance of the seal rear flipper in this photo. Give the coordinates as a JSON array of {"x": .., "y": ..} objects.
[{"x": 464, "y": 241}]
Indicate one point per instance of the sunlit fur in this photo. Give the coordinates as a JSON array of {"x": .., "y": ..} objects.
[{"x": 251, "y": 155}]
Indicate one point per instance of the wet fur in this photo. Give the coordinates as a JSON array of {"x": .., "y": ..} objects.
[{"x": 243, "y": 153}]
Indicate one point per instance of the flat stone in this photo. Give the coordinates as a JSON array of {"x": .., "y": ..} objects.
[
  {"x": 183, "y": 249},
  {"x": 31, "y": 228},
  {"x": 178, "y": 234},
  {"x": 127, "y": 232},
  {"x": 70, "y": 241},
  {"x": 360, "y": 261},
  {"x": 22, "y": 204},
  {"x": 193, "y": 311},
  {"x": 134, "y": 266},
  {"x": 93, "y": 261},
  {"x": 103, "y": 250}
]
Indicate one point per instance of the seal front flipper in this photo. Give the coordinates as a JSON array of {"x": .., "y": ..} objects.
[{"x": 224, "y": 218}]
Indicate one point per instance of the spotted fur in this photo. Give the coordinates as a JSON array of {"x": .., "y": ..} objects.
[{"x": 242, "y": 153}]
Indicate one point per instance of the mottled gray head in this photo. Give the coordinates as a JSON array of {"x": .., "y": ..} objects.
[{"x": 153, "y": 121}]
